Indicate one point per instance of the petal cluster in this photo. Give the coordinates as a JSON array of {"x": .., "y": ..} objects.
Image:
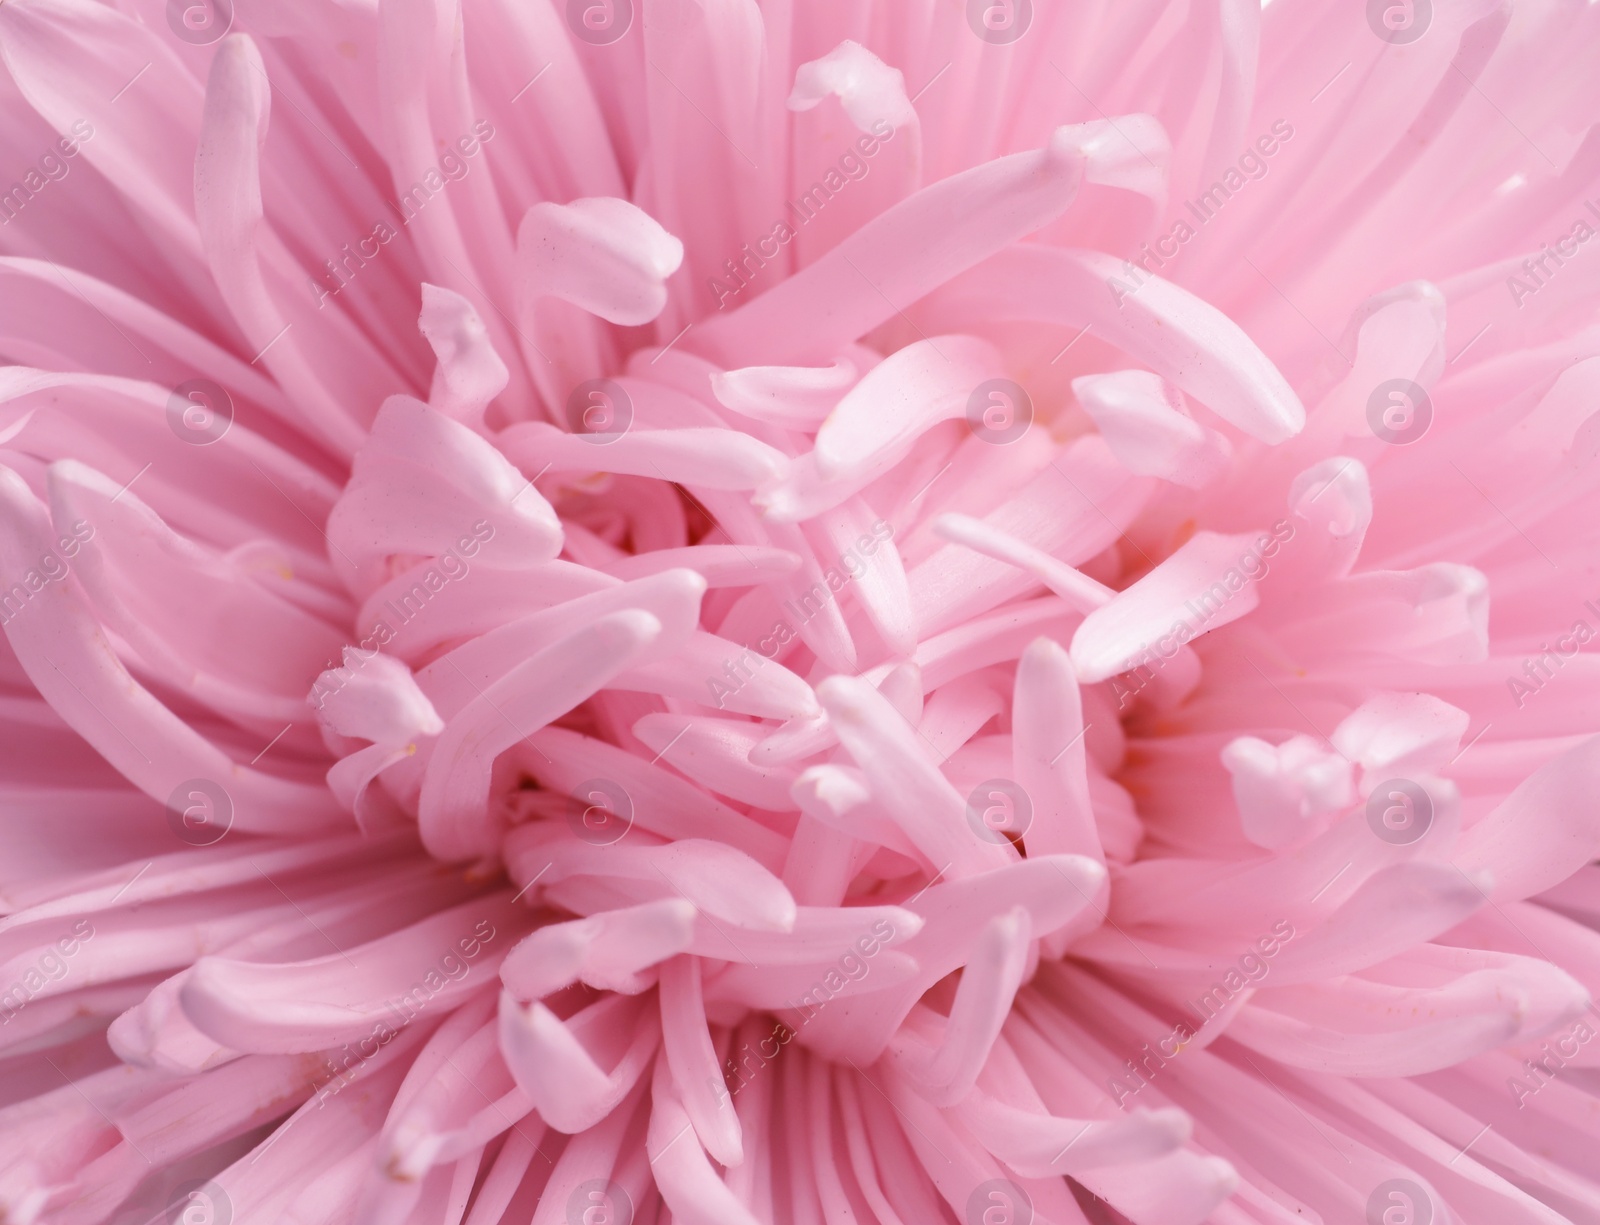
[{"x": 745, "y": 613}]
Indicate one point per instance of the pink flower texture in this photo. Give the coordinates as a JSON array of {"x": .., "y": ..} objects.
[{"x": 757, "y": 612}]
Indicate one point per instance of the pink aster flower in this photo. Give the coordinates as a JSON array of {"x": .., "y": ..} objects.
[{"x": 701, "y": 611}]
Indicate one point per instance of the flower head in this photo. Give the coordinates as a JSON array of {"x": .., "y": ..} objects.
[{"x": 758, "y": 613}]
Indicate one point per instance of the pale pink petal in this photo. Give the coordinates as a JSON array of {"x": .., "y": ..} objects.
[
  {"x": 607, "y": 951},
  {"x": 1206, "y": 583},
  {"x": 1142, "y": 419},
  {"x": 470, "y": 373},
  {"x": 338, "y": 998},
  {"x": 451, "y": 809}
]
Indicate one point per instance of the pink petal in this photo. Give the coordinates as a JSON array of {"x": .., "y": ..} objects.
[{"x": 1201, "y": 587}]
